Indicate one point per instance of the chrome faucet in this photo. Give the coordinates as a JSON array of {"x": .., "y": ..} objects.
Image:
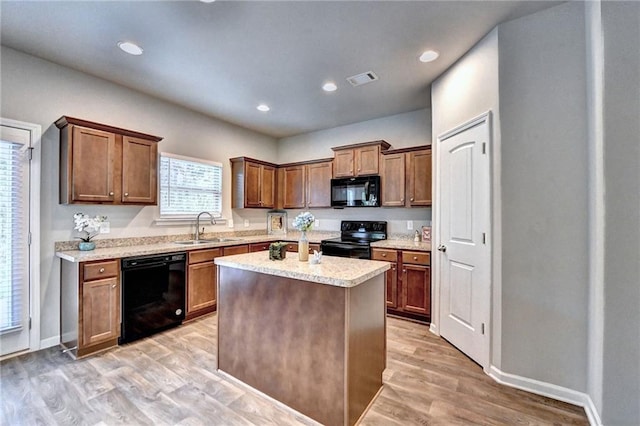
[{"x": 213, "y": 222}]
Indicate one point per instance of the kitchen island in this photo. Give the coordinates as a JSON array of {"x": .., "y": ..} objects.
[{"x": 310, "y": 336}]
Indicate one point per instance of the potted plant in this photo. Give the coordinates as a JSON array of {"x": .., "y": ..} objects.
[
  {"x": 90, "y": 226},
  {"x": 303, "y": 222}
]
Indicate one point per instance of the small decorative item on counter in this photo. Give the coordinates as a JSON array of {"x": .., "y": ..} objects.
[
  {"x": 426, "y": 234},
  {"x": 277, "y": 251},
  {"x": 416, "y": 237},
  {"x": 316, "y": 258},
  {"x": 303, "y": 222},
  {"x": 90, "y": 226}
]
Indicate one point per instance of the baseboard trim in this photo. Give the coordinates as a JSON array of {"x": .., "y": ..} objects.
[
  {"x": 49, "y": 342},
  {"x": 549, "y": 390}
]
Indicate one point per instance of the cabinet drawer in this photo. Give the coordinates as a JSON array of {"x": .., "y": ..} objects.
[
  {"x": 384, "y": 254},
  {"x": 99, "y": 270},
  {"x": 259, "y": 247},
  {"x": 198, "y": 256},
  {"x": 416, "y": 257},
  {"x": 226, "y": 251}
]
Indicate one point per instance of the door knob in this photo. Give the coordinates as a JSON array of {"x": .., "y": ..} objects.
[{"x": 442, "y": 248}]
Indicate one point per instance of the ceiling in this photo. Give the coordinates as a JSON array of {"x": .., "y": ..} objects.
[{"x": 224, "y": 58}]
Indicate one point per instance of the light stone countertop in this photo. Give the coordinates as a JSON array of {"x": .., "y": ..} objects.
[
  {"x": 335, "y": 271},
  {"x": 172, "y": 247},
  {"x": 402, "y": 245}
]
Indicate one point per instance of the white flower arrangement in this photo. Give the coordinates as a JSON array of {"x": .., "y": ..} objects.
[
  {"x": 89, "y": 225},
  {"x": 304, "y": 221}
]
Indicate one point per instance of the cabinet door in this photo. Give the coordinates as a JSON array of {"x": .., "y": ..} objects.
[
  {"x": 100, "y": 318},
  {"x": 293, "y": 187},
  {"x": 416, "y": 289},
  {"x": 343, "y": 163},
  {"x": 367, "y": 160},
  {"x": 201, "y": 286},
  {"x": 319, "y": 184},
  {"x": 268, "y": 187},
  {"x": 392, "y": 171},
  {"x": 392, "y": 286},
  {"x": 92, "y": 165},
  {"x": 252, "y": 189},
  {"x": 139, "y": 171},
  {"x": 227, "y": 251},
  {"x": 419, "y": 177}
]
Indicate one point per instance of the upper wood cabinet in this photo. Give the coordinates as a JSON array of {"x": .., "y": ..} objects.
[
  {"x": 105, "y": 164},
  {"x": 253, "y": 184},
  {"x": 305, "y": 185},
  {"x": 406, "y": 177},
  {"x": 359, "y": 159}
]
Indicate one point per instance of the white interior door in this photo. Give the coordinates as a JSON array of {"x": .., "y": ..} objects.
[
  {"x": 464, "y": 255},
  {"x": 14, "y": 239}
]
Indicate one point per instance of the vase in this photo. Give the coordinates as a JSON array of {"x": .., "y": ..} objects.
[
  {"x": 86, "y": 245},
  {"x": 303, "y": 247}
]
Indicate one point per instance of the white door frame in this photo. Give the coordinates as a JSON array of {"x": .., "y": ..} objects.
[
  {"x": 34, "y": 228},
  {"x": 493, "y": 325}
]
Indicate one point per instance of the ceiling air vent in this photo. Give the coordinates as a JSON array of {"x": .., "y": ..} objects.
[{"x": 364, "y": 78}]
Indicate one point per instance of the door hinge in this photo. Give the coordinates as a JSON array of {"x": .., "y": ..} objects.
[
  {"x": 484, "y": 238},
  {"x": 482, "y": 328},
  {"x": 30, "y": 149},
  {"x": 29, "y": 323},
  {"x": 29, "y": 239},
  {"x": 484, "y": 147}
]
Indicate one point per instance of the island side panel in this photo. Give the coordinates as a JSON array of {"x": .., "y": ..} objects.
[
  {"x": 286, "y": 338},
  {"x": 366, "y": 356}
]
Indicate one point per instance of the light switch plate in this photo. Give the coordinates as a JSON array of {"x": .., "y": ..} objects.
[
  {"x": 230, "y": 223},
  {"x": 410, "y": 225},
  {"x": 316, "y": 223},
  {"x": 246, "y": 223}
]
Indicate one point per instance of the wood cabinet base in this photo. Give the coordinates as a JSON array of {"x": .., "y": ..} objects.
[{"x": 317, "y": 348}]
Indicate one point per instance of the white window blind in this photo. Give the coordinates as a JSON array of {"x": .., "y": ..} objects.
[
  {"x": 14, "y": 255},
  {"x": 189, "y": 186}
]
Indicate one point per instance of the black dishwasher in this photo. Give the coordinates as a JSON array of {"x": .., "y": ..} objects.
[{"x": 153, "y": 293}]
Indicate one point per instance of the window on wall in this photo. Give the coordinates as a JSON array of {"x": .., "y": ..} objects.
[{"x": 189, "y": 186}]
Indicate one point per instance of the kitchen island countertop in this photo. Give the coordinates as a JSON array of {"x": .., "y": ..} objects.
[{"x": 335, "y": 271}]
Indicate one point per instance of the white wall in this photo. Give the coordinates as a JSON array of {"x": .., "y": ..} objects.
[
  {"x": 401, "y": 130},
  {"x": 40, "y": 92},
  {"x": 531, "y": 73},
  {"x": 545, "y": 196},
  {"x": 621, "y": 361},
  {"x": 468, "y": 89}
]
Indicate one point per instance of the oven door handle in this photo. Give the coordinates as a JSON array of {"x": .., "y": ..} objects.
[{"x": 342, "y": 246}]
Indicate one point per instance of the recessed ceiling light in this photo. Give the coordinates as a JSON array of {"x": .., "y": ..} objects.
[
  {"x": 130, "y": 48},
  {"x": 263, "y": 107},
  {"x": 207, "y": 1},
  {"x": 429, "y": 55},
  {"x": 329, "y": 86}
]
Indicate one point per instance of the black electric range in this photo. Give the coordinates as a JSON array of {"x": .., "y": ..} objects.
[{"x": 355, "y": 239}]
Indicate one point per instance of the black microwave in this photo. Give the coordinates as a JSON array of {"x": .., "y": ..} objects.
[{"x": 356, "y": 192}]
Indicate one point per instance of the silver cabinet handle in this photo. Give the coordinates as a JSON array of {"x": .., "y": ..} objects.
[
  {"x": 126, "y": 194},
  {"x": 101, "y": 270},
  {"x": 113, "y": 286},
  {"x": 442, "y": 248},
  {"x": 111, "y": 193}
]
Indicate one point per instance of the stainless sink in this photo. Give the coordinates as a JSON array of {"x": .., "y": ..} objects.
[{"x": 205, "y": 240}]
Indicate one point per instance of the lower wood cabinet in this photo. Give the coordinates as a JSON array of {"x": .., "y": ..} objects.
[
  {"x": 293, "y": 247},
  {"x": 228, "y": 251},
  {"x": 408, "y": 282},
  {"x": 89, "y": 306},
  {"x": 201, "y": 282}
]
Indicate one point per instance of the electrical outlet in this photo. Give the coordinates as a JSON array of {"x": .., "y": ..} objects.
[
  {"x": 230, "y": 223},
  {"x": 410, "y": 225},
  {"x": 246, "y": 223},
  {"x": 105, "y": 228},
  {"x": 316, "y": 223}
]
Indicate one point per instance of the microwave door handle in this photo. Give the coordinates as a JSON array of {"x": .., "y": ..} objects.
[{"x": 366, "y": 190}]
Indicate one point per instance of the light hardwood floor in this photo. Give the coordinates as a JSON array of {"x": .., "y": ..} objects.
[{"x": 168, "y": 379}]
